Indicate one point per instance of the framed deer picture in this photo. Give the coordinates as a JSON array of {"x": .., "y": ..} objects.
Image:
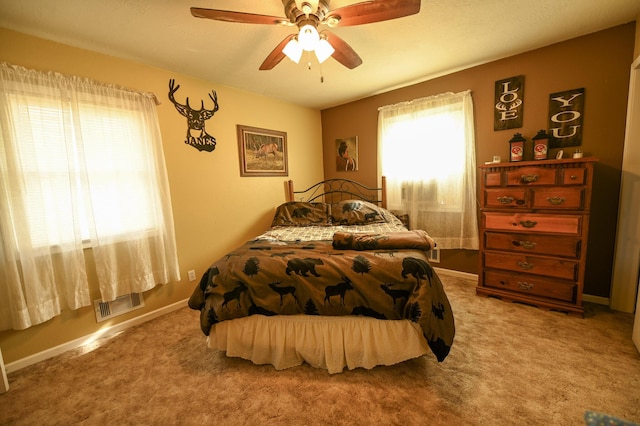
[{"x": 262, "y": 152}]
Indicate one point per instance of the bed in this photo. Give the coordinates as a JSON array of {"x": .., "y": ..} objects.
[{"x": 336, "y": 281}]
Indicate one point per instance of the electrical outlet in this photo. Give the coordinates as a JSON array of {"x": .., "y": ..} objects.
[{"x": 192, "y": 275}]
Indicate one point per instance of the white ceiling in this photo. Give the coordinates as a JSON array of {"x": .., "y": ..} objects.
[{"x": 446, "y": 36}]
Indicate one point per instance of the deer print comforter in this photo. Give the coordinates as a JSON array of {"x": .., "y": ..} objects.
[{"x": 275, "y": 277}]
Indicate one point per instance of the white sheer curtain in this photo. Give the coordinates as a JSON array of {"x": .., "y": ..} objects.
[
  {"x": 81, "y": 167},
  {"x": 427, "y": 153}
]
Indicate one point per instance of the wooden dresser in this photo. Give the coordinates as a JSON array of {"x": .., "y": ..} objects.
[{"x": 533, "y": 231}]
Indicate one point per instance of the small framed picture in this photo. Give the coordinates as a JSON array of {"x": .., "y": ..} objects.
[
  {"x": 347, "y": 154},
  {"x": 262, "y": 152},
  {"x": 559, "y": 155}
]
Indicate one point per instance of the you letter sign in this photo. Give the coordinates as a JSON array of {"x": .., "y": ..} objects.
[{"x": 565, "y": 118}]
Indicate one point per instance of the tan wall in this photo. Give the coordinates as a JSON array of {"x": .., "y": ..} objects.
[
  {"x": 598, "y": 62},
  {"x": 214, "y": 208}
]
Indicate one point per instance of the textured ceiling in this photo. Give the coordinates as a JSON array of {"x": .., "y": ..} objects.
[{"x": 446, "y": 36}]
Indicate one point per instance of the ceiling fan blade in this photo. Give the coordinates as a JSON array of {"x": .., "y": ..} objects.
[
  {"x": 343, "y": 52},
  {"x": 276, "y": 54},
  {"x": 372, "y": 11},
  {"x": 240, "y": 17}
]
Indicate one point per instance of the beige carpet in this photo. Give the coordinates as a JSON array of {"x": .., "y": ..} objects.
[{"x": 510, "y": 365}]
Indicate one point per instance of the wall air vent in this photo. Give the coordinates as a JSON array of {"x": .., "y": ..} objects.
[{"x": 119, "y": 306}]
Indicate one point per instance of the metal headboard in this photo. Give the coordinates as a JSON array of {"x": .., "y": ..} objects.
[{"x": 334, "y": 190}]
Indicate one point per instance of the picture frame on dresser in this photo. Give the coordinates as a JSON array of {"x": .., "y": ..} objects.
[{"x": 533, "y": 231}]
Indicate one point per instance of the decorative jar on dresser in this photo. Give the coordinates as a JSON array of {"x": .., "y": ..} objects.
[{"x": 533, "y": 231}]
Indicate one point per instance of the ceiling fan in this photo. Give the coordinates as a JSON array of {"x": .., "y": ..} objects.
[{"x": 308, "y": 15}]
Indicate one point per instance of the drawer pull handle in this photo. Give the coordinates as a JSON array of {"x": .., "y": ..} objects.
[
  {"x": 530, "y": 245},
  {"x": 528, "y": 178},
  {"x": 573, "y": 177},
  {"x": 525, "y": 265},
  {"x": 525, "y": 285},
  {"x": 556, "y": 201},
  {"x": 506, "y": 200},
  {"x": 528, "y": 223}
]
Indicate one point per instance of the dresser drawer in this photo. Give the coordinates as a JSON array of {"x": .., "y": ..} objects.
[
  {"x": 492, "y": 179},
  {"x": 558, "y": 198},
  {"x": 550, "y": 267},
  {"x": 532, "y": 222},
  {"x": 534, "y": 244},
  {"x": 506, "y": 197},
  {"x": 574, "y": 176},
  {"x": 531, "y": 176},
  {"x": 529, "y": 284}
]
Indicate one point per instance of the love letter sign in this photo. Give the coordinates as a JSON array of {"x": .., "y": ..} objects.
[{"x": 509, "y": 103}]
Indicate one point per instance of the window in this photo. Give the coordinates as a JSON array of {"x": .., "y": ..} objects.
[
  {"x": 111, "y": 157},
  {"x": 81, "y": 166},
  {"x": 427, "y": 153}
]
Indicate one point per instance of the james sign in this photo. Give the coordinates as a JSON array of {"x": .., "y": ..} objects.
[
  {"x": 509, "y": 103},
  {"x": 565, "y": 118}
]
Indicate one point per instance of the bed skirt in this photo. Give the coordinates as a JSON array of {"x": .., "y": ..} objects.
[{"x": 331, "y": 343}]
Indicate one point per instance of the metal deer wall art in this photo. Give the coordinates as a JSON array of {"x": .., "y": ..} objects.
[{"x": 197, "y": 136}]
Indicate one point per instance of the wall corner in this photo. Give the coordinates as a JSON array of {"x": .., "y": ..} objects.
[{"x": 636, "y": 46}]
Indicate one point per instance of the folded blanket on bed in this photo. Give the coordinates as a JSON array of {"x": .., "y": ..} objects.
[{"x": 416, "y": 239}]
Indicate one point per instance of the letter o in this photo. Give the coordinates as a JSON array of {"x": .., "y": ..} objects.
[
  {"x": 507, "y": 97},
  {"x": 573, "y": 114}
]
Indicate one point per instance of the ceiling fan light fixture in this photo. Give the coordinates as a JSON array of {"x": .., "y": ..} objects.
[
  {"x": 293, "y": 50},
  {"x": 324, "y": 50},
  {"x": 306, "y": 9},
  {"x": 308, "y": 6},
  {"x": 333, "y": 21},
  {"x": 308, "y": 37}
]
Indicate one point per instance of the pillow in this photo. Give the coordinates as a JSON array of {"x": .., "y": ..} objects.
[
  {"x": 299, "y": 213},
  {"x": 356, "y": 212}
]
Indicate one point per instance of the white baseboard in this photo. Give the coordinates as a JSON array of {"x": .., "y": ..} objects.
[
  {"x": 585, "y": 297},
  {"x": 600, "y": 300},
  {"x": 102, "y": 333},
  {"x": 455, "y": 273}
]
